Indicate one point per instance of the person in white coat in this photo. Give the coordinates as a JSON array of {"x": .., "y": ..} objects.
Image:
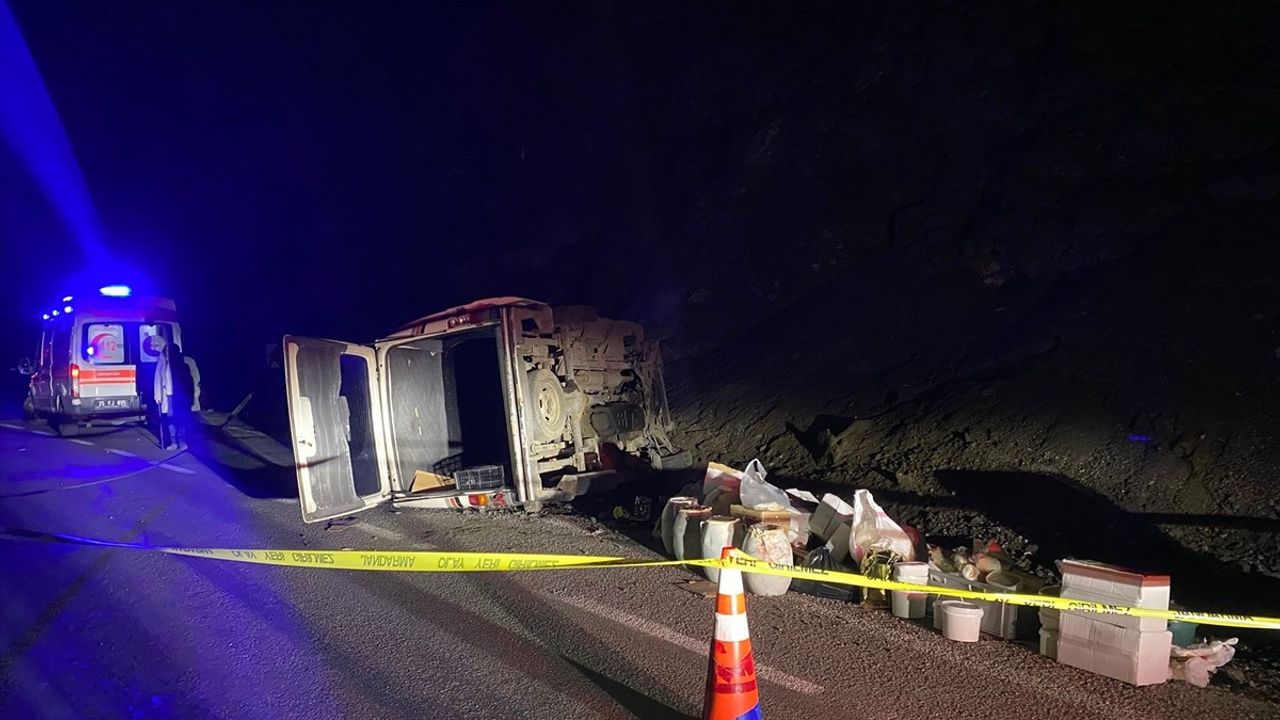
[{"x": 162, "y": 395}]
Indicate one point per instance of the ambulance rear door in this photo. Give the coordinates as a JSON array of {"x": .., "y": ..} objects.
[{"x": 108, "y": 374}]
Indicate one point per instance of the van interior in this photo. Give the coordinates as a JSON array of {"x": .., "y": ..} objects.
[
  {"x": 446, "y": 412},
  {"x": 447, "y": 409}
]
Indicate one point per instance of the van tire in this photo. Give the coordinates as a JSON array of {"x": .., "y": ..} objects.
[
  {"x": 60, "y": 424},
  {"x": 64, "y": 428},
  {"x": 547, "y": 406}
]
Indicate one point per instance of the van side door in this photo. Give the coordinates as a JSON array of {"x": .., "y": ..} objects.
[{"x": 42, "y": 378}]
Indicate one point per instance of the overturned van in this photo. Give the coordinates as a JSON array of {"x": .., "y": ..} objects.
[{"x": 503, "y": 402}]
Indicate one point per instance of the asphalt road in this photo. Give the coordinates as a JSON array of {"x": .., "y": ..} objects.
[{"x": 114, "y": 633}]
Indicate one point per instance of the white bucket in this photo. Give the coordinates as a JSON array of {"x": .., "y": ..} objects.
[
  {"x": 1049, "y": 616},
  {"x": 668, "y": 520},
  {"x": 768, "y": 543},
  {"x": 717, "y": 534},
  {"x": 686, "y": 532},
  {"x": 1049, "y": 643},
  {"x": 961, "y": 621},
  {"x": 910, "y": 605}
]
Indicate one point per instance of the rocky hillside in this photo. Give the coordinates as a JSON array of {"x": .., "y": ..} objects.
[{"x": 1014, "y": 268}]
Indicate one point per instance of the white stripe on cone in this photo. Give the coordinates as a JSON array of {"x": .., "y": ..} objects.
[
  {"x": 731, "y": 628},
  {"x": 731, "y": 582}
]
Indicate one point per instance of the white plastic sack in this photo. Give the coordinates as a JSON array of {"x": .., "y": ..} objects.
[
  {"x": 1197, "y": 664},
  {"x": 758, "y": 494},
  {"x": 873, "y": 530}
]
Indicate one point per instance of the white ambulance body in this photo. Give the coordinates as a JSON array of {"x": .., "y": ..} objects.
[{"x": 97, "y": 358}]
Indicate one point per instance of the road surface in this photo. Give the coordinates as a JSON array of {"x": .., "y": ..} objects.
[{"x": 113, "y": 633}]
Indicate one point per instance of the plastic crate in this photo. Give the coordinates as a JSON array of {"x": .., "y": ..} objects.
[
  {"x": 449, "y": 465},
  {"x": 1011, "y": 622},
  {"x": 480, "y": 477}
]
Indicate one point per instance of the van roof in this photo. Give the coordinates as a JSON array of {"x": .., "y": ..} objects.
[
  {"x": 485, "y": 304},
  {"x": 134, "y": 309}
]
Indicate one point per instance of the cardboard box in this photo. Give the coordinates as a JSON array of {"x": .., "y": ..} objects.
[
  {"x": 800, "y": 524},
  {"x": 830, "y": 514},
  {"x": 1114, "y": 585},
  {"x": 750, "y": 516},
  {"x": 796, "y": 521},
  {"x": 1083, "y": 626},
  {"x": 839, "y": 542},
  {"x": 423, "y": 481},
  {"x": 1132, "y": 656}
]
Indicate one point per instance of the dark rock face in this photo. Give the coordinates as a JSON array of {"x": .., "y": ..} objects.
[
  {"x": 1038, "y": 242},
  {"x": 1035, "y": 239},
  {"x": 1026, "y": 238}
]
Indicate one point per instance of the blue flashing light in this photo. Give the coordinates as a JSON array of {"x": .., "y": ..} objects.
[
  {"x": 46, "y": 316},
  {"x": 115, "y": 291},
  {"x": 55, "y": 313},
  {"x": 66, "y": 309},
  {"x": 67, "y": 299}
]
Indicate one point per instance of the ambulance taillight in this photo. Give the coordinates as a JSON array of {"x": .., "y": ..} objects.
[{"x": 75, "y": 380}]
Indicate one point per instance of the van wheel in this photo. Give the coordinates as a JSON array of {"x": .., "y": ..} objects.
[
  {"x": 60, "y": 424},
  {"x": 547, "y": 404},
  {"x": 66, "y": 429}
]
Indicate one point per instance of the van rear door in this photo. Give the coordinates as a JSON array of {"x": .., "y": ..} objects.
[{"x": 337, "y": 425}]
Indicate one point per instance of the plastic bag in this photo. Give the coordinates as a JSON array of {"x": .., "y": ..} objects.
[
  {"x": 821, "y": 559},
  {"x": 758, "y": 494},
  {"x": 1198, "y": 663},
  {"x": 877, "y": 564},
  {"x": 873, "y": 530}
]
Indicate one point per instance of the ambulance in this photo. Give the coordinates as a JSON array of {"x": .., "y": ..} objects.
[
  {"x": 505, "y": 402},
  {"x": 97, "y": 358}
]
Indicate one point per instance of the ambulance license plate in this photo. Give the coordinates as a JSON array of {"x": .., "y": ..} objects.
[{"x": 112, "y": 403}]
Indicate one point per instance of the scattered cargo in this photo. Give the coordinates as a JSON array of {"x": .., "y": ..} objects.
[{"x": 860, "y": 537}]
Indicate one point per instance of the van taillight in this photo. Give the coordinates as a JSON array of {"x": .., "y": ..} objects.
[{"x": 75, "y": 381}]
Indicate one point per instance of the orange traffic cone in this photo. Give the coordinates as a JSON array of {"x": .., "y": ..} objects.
[{"x": 731, "y": 673}]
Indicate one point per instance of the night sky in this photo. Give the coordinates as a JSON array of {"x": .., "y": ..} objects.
[{"x": 329, "y": 169}]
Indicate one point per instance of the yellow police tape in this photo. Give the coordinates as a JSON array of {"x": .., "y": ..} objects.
[
  {"x": 749, "y": 564},
  {"x": 445, "y": 561}
]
